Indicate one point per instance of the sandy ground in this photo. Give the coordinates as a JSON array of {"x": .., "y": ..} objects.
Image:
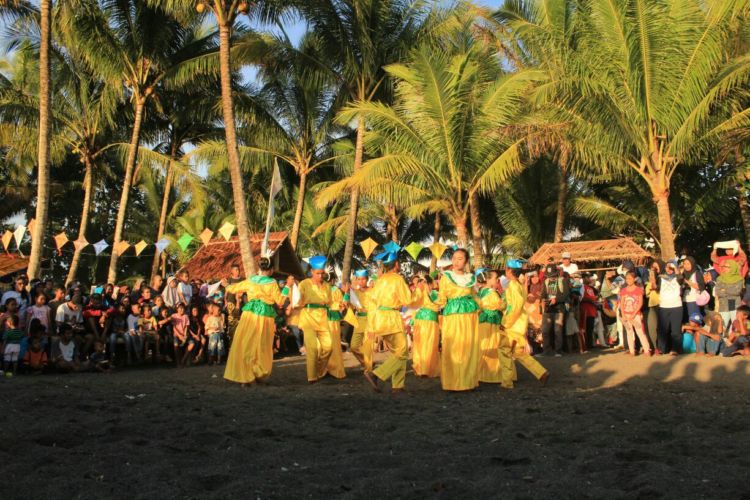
[{"x": 606, "y": 426}]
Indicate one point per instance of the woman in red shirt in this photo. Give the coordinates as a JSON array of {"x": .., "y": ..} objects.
[{"x": 631, "y": 303}]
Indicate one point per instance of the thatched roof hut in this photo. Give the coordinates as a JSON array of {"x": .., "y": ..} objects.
[
  {"x": 214, "y": 260},
  {"x": 592, "y": 252}
]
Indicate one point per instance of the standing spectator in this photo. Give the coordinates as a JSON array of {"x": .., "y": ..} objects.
[
  {"x": 214, "y": 328},
  {"x": 57, "y": 300},
  {"x": 728, "y": 290},
  {"x": 23, "y": 299},
  {"x": 40, "y": 310},
  {"x": 693, "y": 284},
  {"x": 631, "y": 303},
  {"x": 171, "y": 293},
  {"x": 136, "y": 340},
  {"x": 652, "y": 297},
  {"x": 11, "y": 346},
  {"x": 157, "y": 285},
  {"x": 196, "y": 332},
  {"x": 117, "y": 328},
  {"x": 180, "y": 323},
  {"x": 669, "y": 286},
  {"x": 555, "y": 298},
  {"x": 568, "y": 266},
  {"x": 185, "y": 287},
  {"x": 148, "y": 328},
  {"x": 588, "y": 310}
]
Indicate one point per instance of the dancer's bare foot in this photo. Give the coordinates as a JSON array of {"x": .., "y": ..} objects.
[{"x": 372, "y": 380}]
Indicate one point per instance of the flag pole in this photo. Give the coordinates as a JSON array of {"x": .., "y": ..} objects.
[{"x": 269, "y": 216}]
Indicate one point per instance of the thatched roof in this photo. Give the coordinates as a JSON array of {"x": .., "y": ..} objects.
[
  {"x": 11, "y": 264},
  {"x": 591, "y": 251},
  {"x": 214, "y": 260}
]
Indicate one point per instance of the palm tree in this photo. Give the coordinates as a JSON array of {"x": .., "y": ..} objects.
[
  {"x": 145, "y": 49},
  {"x": 359, "y": 38},
  {"x": 647, "y": 96},
  {"x": 448, "y": 132}
]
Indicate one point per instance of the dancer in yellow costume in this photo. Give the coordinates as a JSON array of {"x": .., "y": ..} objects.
[
  {"x": 336, "y": 361},
  {"x": 489, "y": 326},
  {"x": 425, "y": 356},
  {"x": 459, "y": 360},
  {"x": 361, "y": 344},
  {"x": 315, "y": 299},
  {"x": 388, "y": 296},
  {"x": 251, "y": 355},
  {"x": 515, "y": 323}
]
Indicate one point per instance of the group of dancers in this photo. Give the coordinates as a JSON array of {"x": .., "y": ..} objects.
[{"x": 464, "y": 330}]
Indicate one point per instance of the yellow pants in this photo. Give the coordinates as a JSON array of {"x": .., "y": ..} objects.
[
  {"x": 394, "y": 367},
  {"x": 317, "y": 353},
  {"x": 361, "y": 347},
  {"x": 336, "y": 361},
  {"x": 509, "y": 353},
  {"x": 489, "y": 363}
]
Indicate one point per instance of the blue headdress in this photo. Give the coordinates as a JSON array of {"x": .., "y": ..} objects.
[{"x": 317, "y": 262}]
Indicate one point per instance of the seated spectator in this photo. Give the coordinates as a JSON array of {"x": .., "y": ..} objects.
[
  {"x": 117, "y": 328},
  {"x": 171, "y": 293},
  {"x": 70, "y": 314},
  {"x": 148, "y": 328},
  {"x": 64, "y": 356},
  {"x": 11, "y": 345},
  {"x": 136, "y": 340},
  {"x": 707, "y": 333},
  {"x": 98, "y": 361},
  {"x": 165, "y": 333},
  {"x": 35, "y": 360},
  {"x": 158, "y": 306},
  {"x": 57, "y": 300},
  {"x": 146, "y": 297},
  {"x": 95, "y": 316},
  {"x": 738, "y": 342},
  {"x": 21, "y": 296}
]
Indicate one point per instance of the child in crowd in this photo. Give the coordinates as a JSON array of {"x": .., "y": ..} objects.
[
  {"x": 98, "y": 361},
  {"x": 196, "y": 333},
  {"x": 631, "y": 304},
  {"x": 40, "y": 311},
  {"x": 118, "y": 329},
  {"x": 214, "y": 327},
  {"x": 64, "y": 354},
  {"x": 165, "y": 333},
  {"x": 738, "y": 342},
  {"x": 35, "y": 360},
  {"x": 148, "y": 328},
  {"x": 11, "y": 345},
  {"x": 180, "y": 323},
  {"x": 136, "y": 340}
]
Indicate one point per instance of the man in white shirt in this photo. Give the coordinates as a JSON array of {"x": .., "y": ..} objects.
[{"x": 567, "y": 266}]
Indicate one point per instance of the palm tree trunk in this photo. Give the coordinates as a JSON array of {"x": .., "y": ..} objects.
[
  {"x": 476, "y": 232},
  {"x": 164, "y": 205},
  {"x": 462, "y": 234},
  {"x": 436, "y": 239},
  {"x": 392, "y": 223},
  {"x": 43, "y": 181},
  {"x": 562, "y": 203},
  {"x": 140, "y": 105},
  {"x": 88, "y": 185},
  {"x": 744, "y": 213},
  {"x": 666, "y": 233},
  {"x": 300, "y": 207},
  {"x": 359, "y": 149},
  {"x": 238, "y": 191}
]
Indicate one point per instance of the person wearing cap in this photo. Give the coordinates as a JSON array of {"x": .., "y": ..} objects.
[
  {"x": 515, "y": 322},
  {"x": 567, "y": 265},
  {"x": 489, "y": 325},
  {"x": 459, "y": 361},
  {"x": 707, "y": 332},
  {"x": 389, "y": 294},
  {"x": 336, "y": 361},
  {"x": 251, "y": 355},
  {"x": 426, "y": 332},
  {"x": 315, "y": 300},
  {"x": 361, "y": 344}
]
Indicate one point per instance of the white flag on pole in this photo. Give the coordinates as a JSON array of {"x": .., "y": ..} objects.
[{"x": 273, "y": 191}]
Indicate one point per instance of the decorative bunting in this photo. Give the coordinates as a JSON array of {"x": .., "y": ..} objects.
[
  {"x": 391, "y": 247},
  {"x": 226, "y": 230},
  {"x": 139, "y": 247},
  {"x": 161, "y": 245},
  {"x": 7, "y": 237},
  {"x": 184, "y": 241},
  {"x": 18, "y": 235},
  {"x": 368, "y": 246},
  {"x": 414, "y": 249},
  {"x": 60, "y": 241},
  {"x": 206, "y": 236},
  {"x": 437, "y": 249},
  {"x": 122, "y": 247},
  {"x": 100, "y": 246},
  {"x": 80, "y": 243}
]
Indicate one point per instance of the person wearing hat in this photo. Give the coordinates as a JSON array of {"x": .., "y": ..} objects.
[
  {"x": 336, "y": 361},
  {"x": 361, "y": 344},
  {"x": 251, "y": 355},
  {"x": 567, "y": 265},
  {"x": 515, "y": 322},
  {"x": 426, "y": 332},
  {"x": 389, "y": 295},
  {"x": 707, "y": 338},
  {"x": 489, "y": 325},
  {"x": 315, "y": 300},
  {"x": 459, "y": 361}
]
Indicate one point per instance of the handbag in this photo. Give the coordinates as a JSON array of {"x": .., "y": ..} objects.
[{"x": 703, "y": 298}]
